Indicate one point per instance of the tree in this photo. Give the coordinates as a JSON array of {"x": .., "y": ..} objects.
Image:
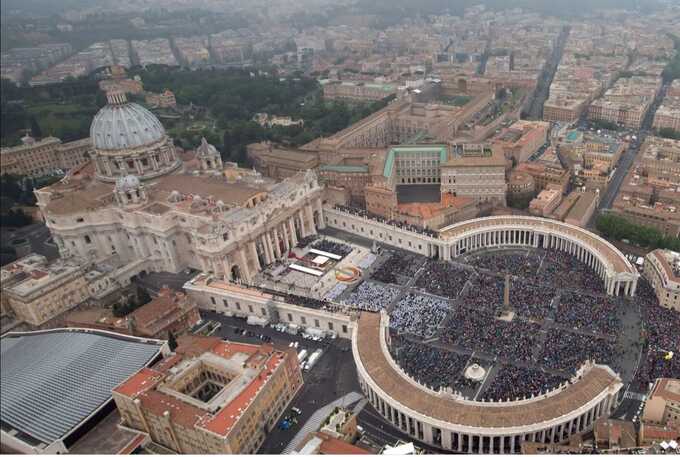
[
  {"x": 619, "y": 228},
  {"x": 36, "y": 132},
  {"x": 143, "y": 297},
  {"x": 172, "y": 342}
]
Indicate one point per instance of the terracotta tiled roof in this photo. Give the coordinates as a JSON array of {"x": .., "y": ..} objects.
[{"x": 143, "y": 380}]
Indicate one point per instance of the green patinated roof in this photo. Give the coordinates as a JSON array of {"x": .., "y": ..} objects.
[
  {"x": 391, "y": 156},
  {"x": 345, "y": 168}
]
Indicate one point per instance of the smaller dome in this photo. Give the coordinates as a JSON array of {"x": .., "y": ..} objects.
[
  {"x": 127, "y": 183},
  {"x": 175, "y": 196},
  {"x": 206, "y": 149}
]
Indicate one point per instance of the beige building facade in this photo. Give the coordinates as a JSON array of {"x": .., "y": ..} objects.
[
  {"x": 35, "y": 291},
  {"x": 35, "y": 158},
  {"x": 475, "y": 172},
  {"x": 662, "y": 269}
]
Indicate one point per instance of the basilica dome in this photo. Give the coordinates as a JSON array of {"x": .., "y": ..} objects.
[
  {"x": 128, "y": 141},
  {"x": 124, "y": 125}
]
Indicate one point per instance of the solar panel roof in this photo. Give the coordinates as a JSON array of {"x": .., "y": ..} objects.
[{"x": 51, "y": 381}]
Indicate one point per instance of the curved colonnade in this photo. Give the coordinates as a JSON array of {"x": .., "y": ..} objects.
[
  {"x": 449, "y": 422},
  {"x": 617, "y": 273}
]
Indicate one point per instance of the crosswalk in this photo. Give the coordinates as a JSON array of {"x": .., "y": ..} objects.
[{"x": 317, "y": 419}]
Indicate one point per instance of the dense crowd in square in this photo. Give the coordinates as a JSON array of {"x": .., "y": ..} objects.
[
  {"x": 428, "y": 365},
  {"x": 485, "y": 293},
  {"x": 397, "y": 268},
  {"x": 595, "y": 313},
  {"x": 520, "y": 264},
  {"x": 371, "y": 296},
  {"x": 419, "y": 315},
  {"x": 513, "y": 382},
  {"x": 442, "y": 278},
  {"x": 531, "y": 302},
  {"x": 567, "y": 351},
  {"x": 580, "y": 276},
  {"x": 482, "y": 332}
]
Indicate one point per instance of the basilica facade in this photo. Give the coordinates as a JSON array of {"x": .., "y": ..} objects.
[{"x": 140, "y": 198}]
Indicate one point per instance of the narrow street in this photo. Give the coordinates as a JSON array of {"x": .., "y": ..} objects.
[{"x": 542, "y": 91}]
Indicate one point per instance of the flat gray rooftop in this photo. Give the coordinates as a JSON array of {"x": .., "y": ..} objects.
[{"x": 51, "y": 381}]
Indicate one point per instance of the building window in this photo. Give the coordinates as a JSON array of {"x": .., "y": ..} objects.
[
  {"x": 344, "y": 328},
  {"x": 316, "y": 323},
  {"x": 250, "y": 308},
  {"x": 88, "y": 240},
  {"x": 225, "y": 302},
  {"x": 290, "y": 317},
  {"x": 330, "y": 326},
  {"x": 238, "y": 306},
  {"x": 212, "y": 300},
  {"x": 303, "y": 319},
  {"x": 263, "y": 311}
]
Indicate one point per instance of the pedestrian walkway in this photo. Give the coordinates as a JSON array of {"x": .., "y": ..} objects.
[
  {"x": 635, "y": 396},
  {"x": 317, "y": 419}
]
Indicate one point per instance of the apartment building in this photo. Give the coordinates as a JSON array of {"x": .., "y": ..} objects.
[{"x": 662, "y": 269}]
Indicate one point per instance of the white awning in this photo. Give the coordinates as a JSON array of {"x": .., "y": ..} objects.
[
  {"x": 325, "y": 254},
  {"x": 303, "y": 269}
]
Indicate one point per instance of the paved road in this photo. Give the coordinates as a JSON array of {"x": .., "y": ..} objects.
[
  {"x": 314, "y": 422},
  {"x": 535, "y": 111}
]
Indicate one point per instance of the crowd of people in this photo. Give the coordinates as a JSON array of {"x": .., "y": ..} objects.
[
  {"x": 519, "y": 264},
  {"x": 306, "y": 241},
  {"x": 333, "y": 247},
  {"x": 580, "y": 276},
  {"x": 661, "y": 336},
  {"x": 531, "y": 302},
  {"x": 485, "y": 293},
  {"x": 402, "y": 225},
  {"x": 397, "y": 268},
  {"x": 544, "y": 292},
  {"x": 513, "y": 383},
  {"x": 371, "y": 296},
  {"x": 418, "y": 315},
  {"x": 442, "y": 278},
  {"x": 566, "y": 351},
  {"x": 428, "y": 365},
  {"x": 515, "y": 340},
  {"x": 597, "y": 314}
]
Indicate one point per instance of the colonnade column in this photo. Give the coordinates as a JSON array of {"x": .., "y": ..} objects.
[
  {"x": 293, "y": 235},
  {"x": 319, "y": 208},
  {"x": 277, "y": 243},
  {"x": 253, "y": 252},
  {"x": 267, "y": 248},
  {"x": 244, "y": 261},
  {"x": 301, "y": 219}
]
